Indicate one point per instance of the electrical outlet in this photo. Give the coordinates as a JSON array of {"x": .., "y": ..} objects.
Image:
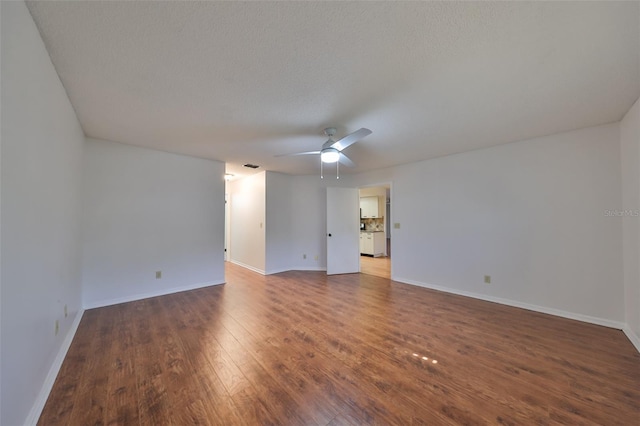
[
  {"x": 487, "y": 279},
  {"x": 57, "y": 327},
  {"x": 396, "y": 226},
  {"x": 66, "y": 312},
  {"x": 304, "y": 256},
  {"x": 316, "y": 258},
  {"x": 158, "y": 275}
]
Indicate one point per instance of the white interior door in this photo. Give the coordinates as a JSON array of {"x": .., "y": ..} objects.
[{"x": 343, "y": 231}]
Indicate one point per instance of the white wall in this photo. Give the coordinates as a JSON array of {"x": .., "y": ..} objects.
[
  {"x": 146, "y": 211},
  {"x": 309, "y": 216},
  {"x": 292, "y": 210},
  {"x": 630, "y": 156},
  {"x": 373, "y": 191},
  {"x": 530, "y": 214},
  {"x": 247, "y": 197},
  {"x": 309, "y": 219},
  {"x": 278, "y": 214},
  {"x": 42, "y": 144},
  {"x": 308, "y": 223}
]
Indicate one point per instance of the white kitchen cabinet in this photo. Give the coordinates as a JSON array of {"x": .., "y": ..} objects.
[
  {"x": 370, "y": 207},
  {"x": 366, "y": 243},
  {"x": 379, "y": 242},
  {"x": 372, "y": 243}
]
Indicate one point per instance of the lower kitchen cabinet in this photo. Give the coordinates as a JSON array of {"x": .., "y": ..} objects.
[{"x": 372, "y": 243}]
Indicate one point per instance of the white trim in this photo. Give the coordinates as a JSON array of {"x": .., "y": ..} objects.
[
  {"x": 252, "y": 268},
  {"x": 43, "y": 395},
  {"x": 276, "y": 271},
  {"x": 308, "y": 268},
  {"x": 551, "y": 311},
  {"x": 297, "y": 268},
  {"x": 635, "y": 340},
  {"x": 134, "y": 297}
]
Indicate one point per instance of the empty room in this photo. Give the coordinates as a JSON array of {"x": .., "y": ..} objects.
[{"x": 319, "y": 213}]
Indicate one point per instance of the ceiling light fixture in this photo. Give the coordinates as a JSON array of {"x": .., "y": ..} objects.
[{"x": 329, "y": 155}]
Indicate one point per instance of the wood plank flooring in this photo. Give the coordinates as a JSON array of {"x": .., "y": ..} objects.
[
  {"x": 301, "y": 348},
  {"x": 378, "y": 266}
]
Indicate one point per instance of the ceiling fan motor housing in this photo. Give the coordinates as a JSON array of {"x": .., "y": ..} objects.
[{"x": 330, "y": 131}]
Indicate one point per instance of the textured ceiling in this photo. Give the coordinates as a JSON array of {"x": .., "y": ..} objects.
[{"x": 240, "y": 82}]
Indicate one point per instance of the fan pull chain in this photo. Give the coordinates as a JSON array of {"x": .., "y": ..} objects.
[
  {"x": 338, "y": 169},
  {"x": 321, "y": 175}
]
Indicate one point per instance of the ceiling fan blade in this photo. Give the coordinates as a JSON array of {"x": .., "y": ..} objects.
[
  {"x": 346, "y": 161},
  {"x": 351, "y": 139},
  {"x": 298, "y": 153}
]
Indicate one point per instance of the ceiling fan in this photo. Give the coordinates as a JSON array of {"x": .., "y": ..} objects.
[{"x": 331, "y": 150}]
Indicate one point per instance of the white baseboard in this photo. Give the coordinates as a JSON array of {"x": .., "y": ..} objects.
[
  {"x": 41, "y": 399},
  {"x": 244, "y": 265},
  {"x": 551, "y": 311},
  {"x": 276, "y": 271},
  {"x": 140, "y": 296},
  {"x": 635, "y": 339},
  {"x": 279, "y": 270},
  {"x": 309, "y": 268},
  {"x": 306, "y": 268}
]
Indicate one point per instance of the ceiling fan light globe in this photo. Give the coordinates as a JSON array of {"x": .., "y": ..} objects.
[{"x": 329, "y": 155}]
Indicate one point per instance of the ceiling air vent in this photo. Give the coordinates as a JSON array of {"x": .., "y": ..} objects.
[{"x": 251, "y": 166}]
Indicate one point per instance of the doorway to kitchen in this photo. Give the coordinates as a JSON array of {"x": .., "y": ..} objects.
[{"x": 375, "y": 232}]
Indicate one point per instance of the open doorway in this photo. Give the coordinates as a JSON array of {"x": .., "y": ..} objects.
[{"x": 375, "y": 230}]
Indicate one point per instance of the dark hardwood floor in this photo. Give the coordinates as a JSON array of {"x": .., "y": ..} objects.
[{"x": 300, "y": 348}]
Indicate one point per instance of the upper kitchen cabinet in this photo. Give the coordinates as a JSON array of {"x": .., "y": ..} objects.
[{"x": 371, "y": 207}]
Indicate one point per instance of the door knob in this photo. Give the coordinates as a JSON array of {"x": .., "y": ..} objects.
[{"x": 329, "y": 235}]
